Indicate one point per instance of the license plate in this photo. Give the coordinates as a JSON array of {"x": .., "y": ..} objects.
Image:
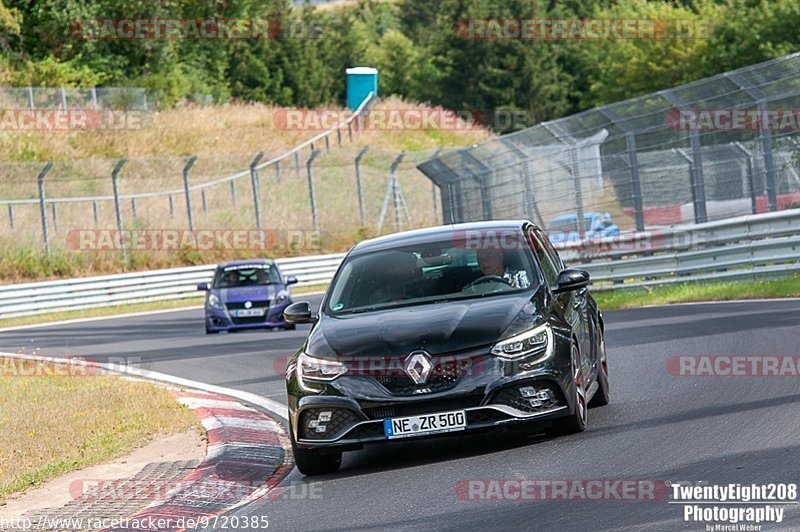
[
  {"x": 248, "y": 313},
  {"x": 401, "y": 427}
]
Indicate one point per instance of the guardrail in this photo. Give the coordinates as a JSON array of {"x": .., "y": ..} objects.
[
  {"x": 757, "y": 247},
  {"x": 157, "y": 285}
]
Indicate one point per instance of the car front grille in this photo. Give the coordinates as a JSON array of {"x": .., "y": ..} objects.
[
  {"x": 423, "y": 407},
  {"x": 250, "y": 319},
  {"x": 325, "y": 423},
  {"x": 253, "y": 304},
  {"x": 443, "y": 376},
  {"x": 511, "y": 396}
]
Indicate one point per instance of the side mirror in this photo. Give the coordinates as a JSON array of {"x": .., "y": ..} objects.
[
  {"x": 202, "y": 286},
  {"x": 570, "y": 280},
  {"x": 299, "y": 312},
  {"x": 291, "y": 280}
]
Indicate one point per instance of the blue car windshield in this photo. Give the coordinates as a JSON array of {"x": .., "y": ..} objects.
[
  {"x": 428, "y": 273},
  {"x": 246, "y": 275}
]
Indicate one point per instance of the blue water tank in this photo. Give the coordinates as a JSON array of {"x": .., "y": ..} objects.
[{"x": 360, "y": 82}]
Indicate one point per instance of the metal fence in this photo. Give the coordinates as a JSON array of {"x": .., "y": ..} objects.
[
  {"x": 721, "y": 147},
  {"x": 328, "y": 184},
  {"x": 128, "y": 98}
]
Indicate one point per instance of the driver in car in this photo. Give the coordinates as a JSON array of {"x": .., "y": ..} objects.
[{"x": 492, "y": 262}]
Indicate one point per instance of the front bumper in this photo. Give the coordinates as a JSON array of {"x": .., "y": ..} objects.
[
  {"x": 218, "y": 320},
  {"x": 353, "y": 423}
]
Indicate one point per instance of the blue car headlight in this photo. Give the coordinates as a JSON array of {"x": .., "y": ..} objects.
[{"x": 214, "y": 301}]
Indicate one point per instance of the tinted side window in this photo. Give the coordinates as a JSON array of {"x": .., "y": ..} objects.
[
  {"x": 549, "y": 270},
  {"x": 551, "y": 251}
]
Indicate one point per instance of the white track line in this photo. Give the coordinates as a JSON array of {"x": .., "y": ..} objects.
[{"x": 269, "y": 405}]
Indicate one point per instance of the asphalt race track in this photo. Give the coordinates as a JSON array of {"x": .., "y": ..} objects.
[{"x": 659, "y": 427}]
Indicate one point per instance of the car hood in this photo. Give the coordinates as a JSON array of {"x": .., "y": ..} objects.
[
  {"x": 248, "y": 293},
  {"x": 442, "y": 328}
]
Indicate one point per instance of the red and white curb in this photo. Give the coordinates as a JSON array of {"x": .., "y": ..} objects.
[
  {"x": 246, "y": 459},
  {"x": 247, "y": 456}
]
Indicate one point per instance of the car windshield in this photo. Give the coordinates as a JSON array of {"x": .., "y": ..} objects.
[
  {"x": 246, "y": 275},
  {"x": 428, "y": 273}
]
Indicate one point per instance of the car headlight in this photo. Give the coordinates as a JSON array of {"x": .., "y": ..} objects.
[
  {"x": 536, "y": 341},
  {"x": 282, "y": 296},
  {"x": 317, "y": 369},
  {"x": 214, "y": 301}
]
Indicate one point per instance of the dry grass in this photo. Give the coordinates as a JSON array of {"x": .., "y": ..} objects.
[
  {"x": 52, "y": 425},
  {"x": 227, "y": 129}
]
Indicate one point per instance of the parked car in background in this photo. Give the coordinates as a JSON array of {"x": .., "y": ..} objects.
[
  {"x": 564, "y": 228},
  {"x": 247, "y": 294}
]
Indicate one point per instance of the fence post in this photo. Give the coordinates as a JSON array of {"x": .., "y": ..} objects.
[
  {"x": 433, "y": 189},
  {"x": 94, "y": 98},
  {"x": 750, "y": 178},
  {"x": 278, "y": 170},
  {"x": 54, "y": 210},
  {"x": 636, "y": 181},
  {"x": 396, "y": 189},
  {"x": 529, "y": 201},
  {"x": 297, "y": 163},
  {"x": 186, "y": 191},
  {"x": 117, "y": 208},
  {"x": 760, "y": 98},
  {"x": 233, "y": 192},
  {"x": 95, "y": 213},
  {"x": 311, "y": 198},
  {"x": 350, "y": 131},
  {"x": 339, "y": 136},
  {"x": 327, "y": 144},
  {"x": 393, "y": 191},
  {"x": 171, "y": 207},
  {"x": 769, "y": 164},
  {"x": 11, "y": 215},
  {"x": 42, "y": 207},
  {"x": 203, "y": 200},
  {"x": 256, "y": 188},
  {"x": 698, "y": 211},
  {"x": 359, "y": 190},
  {"x": 699, "y": 180},
  {"x": 31, "y": 105},
  {"x": 133, "y": 207}
]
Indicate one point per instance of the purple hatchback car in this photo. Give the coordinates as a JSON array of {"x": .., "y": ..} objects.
[{"x": 247, "y": 294}]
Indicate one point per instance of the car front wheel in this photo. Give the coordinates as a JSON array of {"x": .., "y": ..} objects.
[
  {"x": 576, "y": 421},
  {"x": 312, "y": 462}
]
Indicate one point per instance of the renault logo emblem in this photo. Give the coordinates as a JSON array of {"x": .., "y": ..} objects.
[
  {"x": 247, "y": 304},
  {"x": 418, "y": 366}
]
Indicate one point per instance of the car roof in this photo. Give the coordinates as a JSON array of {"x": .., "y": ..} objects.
[
  {"x": 242, "y": 262},
  {"x": 433, "y": 234}
]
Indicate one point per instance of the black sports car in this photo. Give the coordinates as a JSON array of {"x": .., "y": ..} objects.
[{"x": 446, "y": 329}]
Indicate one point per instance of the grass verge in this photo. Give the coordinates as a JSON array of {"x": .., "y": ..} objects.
[
  {"x": 54, "y": 425},
  {"x": 698, "y": 292}
]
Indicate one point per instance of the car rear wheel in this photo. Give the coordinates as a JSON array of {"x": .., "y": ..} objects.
[
  {"x": 312, "y": 462},
  {"x": 603, "y": 394},
  {"x": 576, "y": 421}
]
